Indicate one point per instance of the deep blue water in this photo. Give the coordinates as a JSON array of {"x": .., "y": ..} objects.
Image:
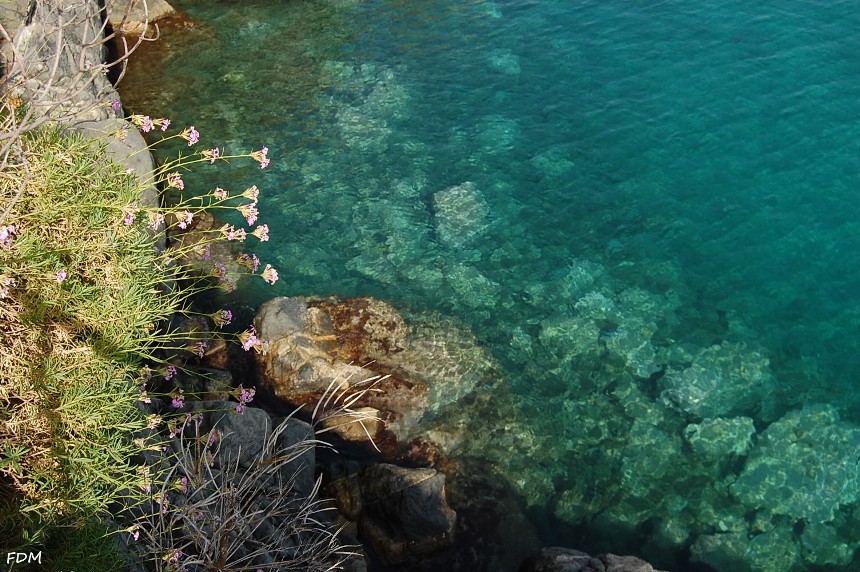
[{"x": 665, "y": 202}]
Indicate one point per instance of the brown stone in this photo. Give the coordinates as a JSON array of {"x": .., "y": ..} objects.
[{"x": 136, "y": 16}]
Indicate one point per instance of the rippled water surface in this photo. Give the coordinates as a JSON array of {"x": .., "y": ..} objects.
[{"x": 654, "y": 233}]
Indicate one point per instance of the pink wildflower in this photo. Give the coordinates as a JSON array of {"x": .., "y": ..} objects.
[
  {"x": 235, "y": 234},
  {"x": 153, "y": 421},
  {"x": 219, "y": 270},
  {"x": 250, "y": 261},
  {"x": 130, "y": 214},
  {"x": 147, "y": 125},
  {"x": 261, "y": 157},
  {"x": 269, "y": 274},
  {"x": 191, "y": 135},
  {"x": 262, "y": 232},
  {"x": 169, "y": 372},
  {"x": 199, "y": 348},
  {"x": 163, "y": 122},
  {"x": 222, "y": 318},
  {"x": 211, "y": 154},
  {"x": 251, "y": 193},
  {"x": 60, "y": 276},
  {"x": 156, "y": 220},
  {"x": 219, "y": 193},
  {"x": 144, "y": 396},
  {"x": 116, "y": 105},
  {"x": 184, "y": 219},
  {"x": 178, "y": 400},
  {"x": 244, "y": 396},
  {"x": 175, "y": 180},
  {"x": 5, "y": 283},
  {"x": 248, "y": 338},
  {"x": 6, "y": 233},
  {"x": 249, "y": 211}
]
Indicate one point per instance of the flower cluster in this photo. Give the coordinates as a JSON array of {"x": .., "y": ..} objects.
[
  {"x": 251, "y": 193},
  {"x": 261, "y": 157},
  {"x": 249, "y": 340},
  {"x": 250, "y": 261},
  {"x": 199, "y": 348},
  {"x": 178, "y": 399},
  {"x": 232, "y": 233},
  {"x": 184, "y": 218},
  {"x": 222, "y": 317},
  {"x": 5, "y": 283},
  {"x": 129, "y": 214},
  {"x": 6, "y": 233},
  {"x": 249, "y": 211},
  {"x": 269, "y": 274},
  {"x": 211, "y": 154},
  {"x": 175, "y": 180},
  {"x": 244, "y": 396},
  {"x": 261, "y": 232},
  {"x": 156, "y": 220},
  {"x": 145, "y": 122},
  {"x": 191, "y": 135}
]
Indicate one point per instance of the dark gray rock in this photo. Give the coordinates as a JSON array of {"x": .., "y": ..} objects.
[
  {"x": 555, "y": 559},
  {"x": 241, "y": 438},
  {"x": 402, "y": 514},
  {"x": 71, "y": 86}
]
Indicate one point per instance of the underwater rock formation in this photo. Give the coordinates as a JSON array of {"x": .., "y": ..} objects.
[
  {"x": 804, "y": 466},
  {"x": 460, "y": 214},
  {"x": 724, "y": 379}
]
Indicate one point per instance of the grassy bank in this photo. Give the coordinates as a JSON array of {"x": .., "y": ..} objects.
[{"x": 80, "y": 307}]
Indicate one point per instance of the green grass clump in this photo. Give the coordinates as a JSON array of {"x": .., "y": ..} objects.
[{"x": 80, "y": 305}]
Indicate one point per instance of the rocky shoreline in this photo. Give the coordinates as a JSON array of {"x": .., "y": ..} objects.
[{"x": 412, "y": 504}]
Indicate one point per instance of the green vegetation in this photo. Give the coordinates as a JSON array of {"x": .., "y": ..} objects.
[
  {"x": 85, "y": 297},
  {"x": 80, "y": 305}
]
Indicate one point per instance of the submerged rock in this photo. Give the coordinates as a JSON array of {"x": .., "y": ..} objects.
[
  {"x": 804, "y": 466},
  {"x": 460, "y": 214},
  {"x": 727, "y": 378},
  {"x": 715, "y": 439},
  {"x": 773, "y": 551}
]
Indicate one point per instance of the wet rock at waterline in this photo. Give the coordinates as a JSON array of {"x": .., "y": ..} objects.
[
  {"x": 570, "y": 560},
  {"x": 412, "y": 372},
  {"x": 402, "y": 514}
]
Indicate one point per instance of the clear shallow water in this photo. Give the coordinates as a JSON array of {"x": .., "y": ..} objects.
[{"x": 663, "y": 229}]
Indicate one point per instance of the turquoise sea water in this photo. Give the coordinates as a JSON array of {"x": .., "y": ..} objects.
[{"x": 659, "y": 242}]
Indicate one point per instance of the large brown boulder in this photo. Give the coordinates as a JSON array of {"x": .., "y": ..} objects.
[{"x": 411, "y": 372}]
